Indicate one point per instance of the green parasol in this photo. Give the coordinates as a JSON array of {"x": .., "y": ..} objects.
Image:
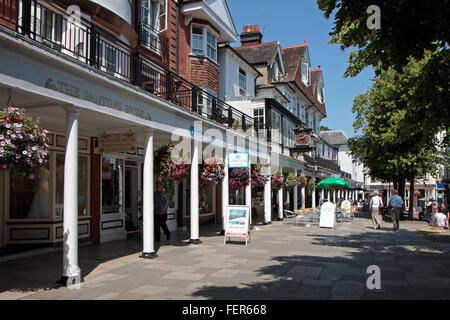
[{"x": 333, "y": 183}]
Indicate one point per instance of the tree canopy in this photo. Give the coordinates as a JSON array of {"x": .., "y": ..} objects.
[
  {"x": 394, "y": 145},
  {"x": 408, "y": 28}
]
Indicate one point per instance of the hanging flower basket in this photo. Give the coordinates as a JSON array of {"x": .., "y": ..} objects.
[
  {"x": 290, "y": 181},
  {"x": 238, "y": 178},
  {"x": 302, "y": 181},
  {"x": 277, "y": 180},
  {"x": 173, "y": 166},
  {"x": 211, "y": 171},
  {"x": 260, "y": 175},
  {"x": 23, "y": 144}
]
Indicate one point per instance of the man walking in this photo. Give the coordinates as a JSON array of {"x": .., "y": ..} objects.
[
  {"x": 160, "y": 211},
  {"x": 395, "y": 205},
  {"x": 375, "y": 205}
]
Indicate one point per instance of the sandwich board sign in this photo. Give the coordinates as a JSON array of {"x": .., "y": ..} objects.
[
  {"x": 327, "y": 215},
  {"x": 236, "y": 223}
]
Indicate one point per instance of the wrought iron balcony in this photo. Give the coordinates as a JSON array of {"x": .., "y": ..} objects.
[
  {"x": 324, "y": 163},
  {"x": 90, "y": 45},
  {"x": 153, "y": 40}
]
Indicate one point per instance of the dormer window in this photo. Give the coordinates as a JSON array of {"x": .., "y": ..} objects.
[
  {"x": 320, "y": 94},
  {"x": 276, "y": 71},
  {"x": 203, "y": 42},
  {"x": 305, "y": 73}
]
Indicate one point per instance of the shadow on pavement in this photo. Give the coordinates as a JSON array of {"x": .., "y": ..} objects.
[
  {"x": 411, "y": 268},
  {"x": 41, "y": 272}
]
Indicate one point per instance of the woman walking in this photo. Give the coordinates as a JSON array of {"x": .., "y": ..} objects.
[{"x": 375, "y": 204}]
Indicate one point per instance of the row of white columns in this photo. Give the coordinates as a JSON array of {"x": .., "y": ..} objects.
[{"x": 71, "y": 270}]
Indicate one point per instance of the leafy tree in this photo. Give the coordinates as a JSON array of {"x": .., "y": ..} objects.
[
  {"x": 387, "y": 148},
  {"x": 411, "y": 30},
  {"x": 324, "y": 128},
  {"x": 408, "y": 28}
]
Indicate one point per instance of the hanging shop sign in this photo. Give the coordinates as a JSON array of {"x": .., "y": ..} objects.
[
  {"x": 239, "y": 160},
  {"x": 117, "y": 142},
  {"x": 236, "y": 223},
  {"x": 327, "y": 215}
]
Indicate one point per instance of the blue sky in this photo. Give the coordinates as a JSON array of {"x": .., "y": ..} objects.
[{"x": 292, "y": 22}]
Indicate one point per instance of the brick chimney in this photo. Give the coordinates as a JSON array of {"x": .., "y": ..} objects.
[{"x": 251, "y": 35}]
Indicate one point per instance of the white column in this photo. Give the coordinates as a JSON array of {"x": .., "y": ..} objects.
[
  {"x": 346, "y": 194},
  {"x": 363, "y": 195},
  {"x": 280, "y": 204},
  {"x": 195, "y": 220},
  {"x": 71, "y": 270},
  {"x": 303, "y": 197},
  {"x": 334, "y": 196},
  {"x": 295, "y": 197},
  {"x": 248, "y": 195},
  {"x": 329, "y": 194},
  {"x": 148, "y": 251},
  {"x": 225, "y": 192},
  {"x": 267, "y": 202},
  {"x": 313, "y": 198},
  {"x": 323, "y": 195}
]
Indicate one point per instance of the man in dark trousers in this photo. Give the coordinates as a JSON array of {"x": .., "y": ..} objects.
[
  {"x": 395, "y": 204},
  {"x": 161, "y": 203}
]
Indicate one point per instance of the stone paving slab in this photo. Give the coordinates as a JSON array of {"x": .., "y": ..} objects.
[{"x": 280, "y": 262}]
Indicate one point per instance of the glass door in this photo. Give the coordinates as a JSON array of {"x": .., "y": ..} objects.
[{"x": 131, "y": 200}]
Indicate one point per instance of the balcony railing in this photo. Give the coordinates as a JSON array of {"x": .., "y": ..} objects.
[
  {"x": 90, "y": 45},
  {"x": 153, "y": 40},
  {"x": 171, "y": 87},
  {"x": 72, "y": 37},
  {"x": 324, "y": 163}
]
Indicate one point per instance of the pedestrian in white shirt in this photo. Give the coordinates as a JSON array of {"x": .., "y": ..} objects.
[
  {"x": 440, "y": 219},
  {"x": 395, "y": 205},
  {"x": 375, "y": 204}
]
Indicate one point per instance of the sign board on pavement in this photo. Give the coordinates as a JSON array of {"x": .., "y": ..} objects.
[
  {"x": 236, "y": 223},
  {"x": 327, "y": 215}
]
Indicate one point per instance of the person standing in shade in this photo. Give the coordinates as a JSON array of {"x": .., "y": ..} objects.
[
  {"x": 161, "y": 203},
  {"x": 375, "y": 204},
  {"x": 395, "y": 205}
]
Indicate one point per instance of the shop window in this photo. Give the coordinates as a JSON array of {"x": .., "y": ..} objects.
[
  {"x": 206, "y": 204},
  {"x": 112, "y": 185},
  {"x": 30, "y": 198},
  {"x": 83, "y": 185}
]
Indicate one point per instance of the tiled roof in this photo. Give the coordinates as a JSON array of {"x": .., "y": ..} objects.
[
  {"x": 335, "y": 137},
  {"x": 292, "y": 56},
  {"x": 258, "y": 53}
]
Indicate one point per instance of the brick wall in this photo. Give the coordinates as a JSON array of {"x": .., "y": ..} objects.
[{"x": 205, "y": 74}]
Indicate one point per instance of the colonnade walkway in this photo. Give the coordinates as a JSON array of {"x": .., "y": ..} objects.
[{"x": 282, "y": 261}]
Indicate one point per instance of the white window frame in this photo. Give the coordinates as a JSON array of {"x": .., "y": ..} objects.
[
  {"x": 242, "y": 82},
  {"x": 206, "y": 32},
  {"x": 305, "y": 73}
]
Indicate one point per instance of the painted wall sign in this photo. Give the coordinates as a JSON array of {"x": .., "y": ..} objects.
[
  {"x": 101, "y": 100},
  {"x": 238, "y": 160},
  {"x": 236, "y": 223},
  {"x": 117, "y": 142},
  {"x": 327, "y": 215}
]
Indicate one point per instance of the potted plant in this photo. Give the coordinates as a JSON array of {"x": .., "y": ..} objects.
[
  {"x": 23, "y": 144},
  {"x": 211, "y": 171}
]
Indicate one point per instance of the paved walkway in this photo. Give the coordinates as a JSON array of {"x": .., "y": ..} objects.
[{"x": 282, "y": 261}]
